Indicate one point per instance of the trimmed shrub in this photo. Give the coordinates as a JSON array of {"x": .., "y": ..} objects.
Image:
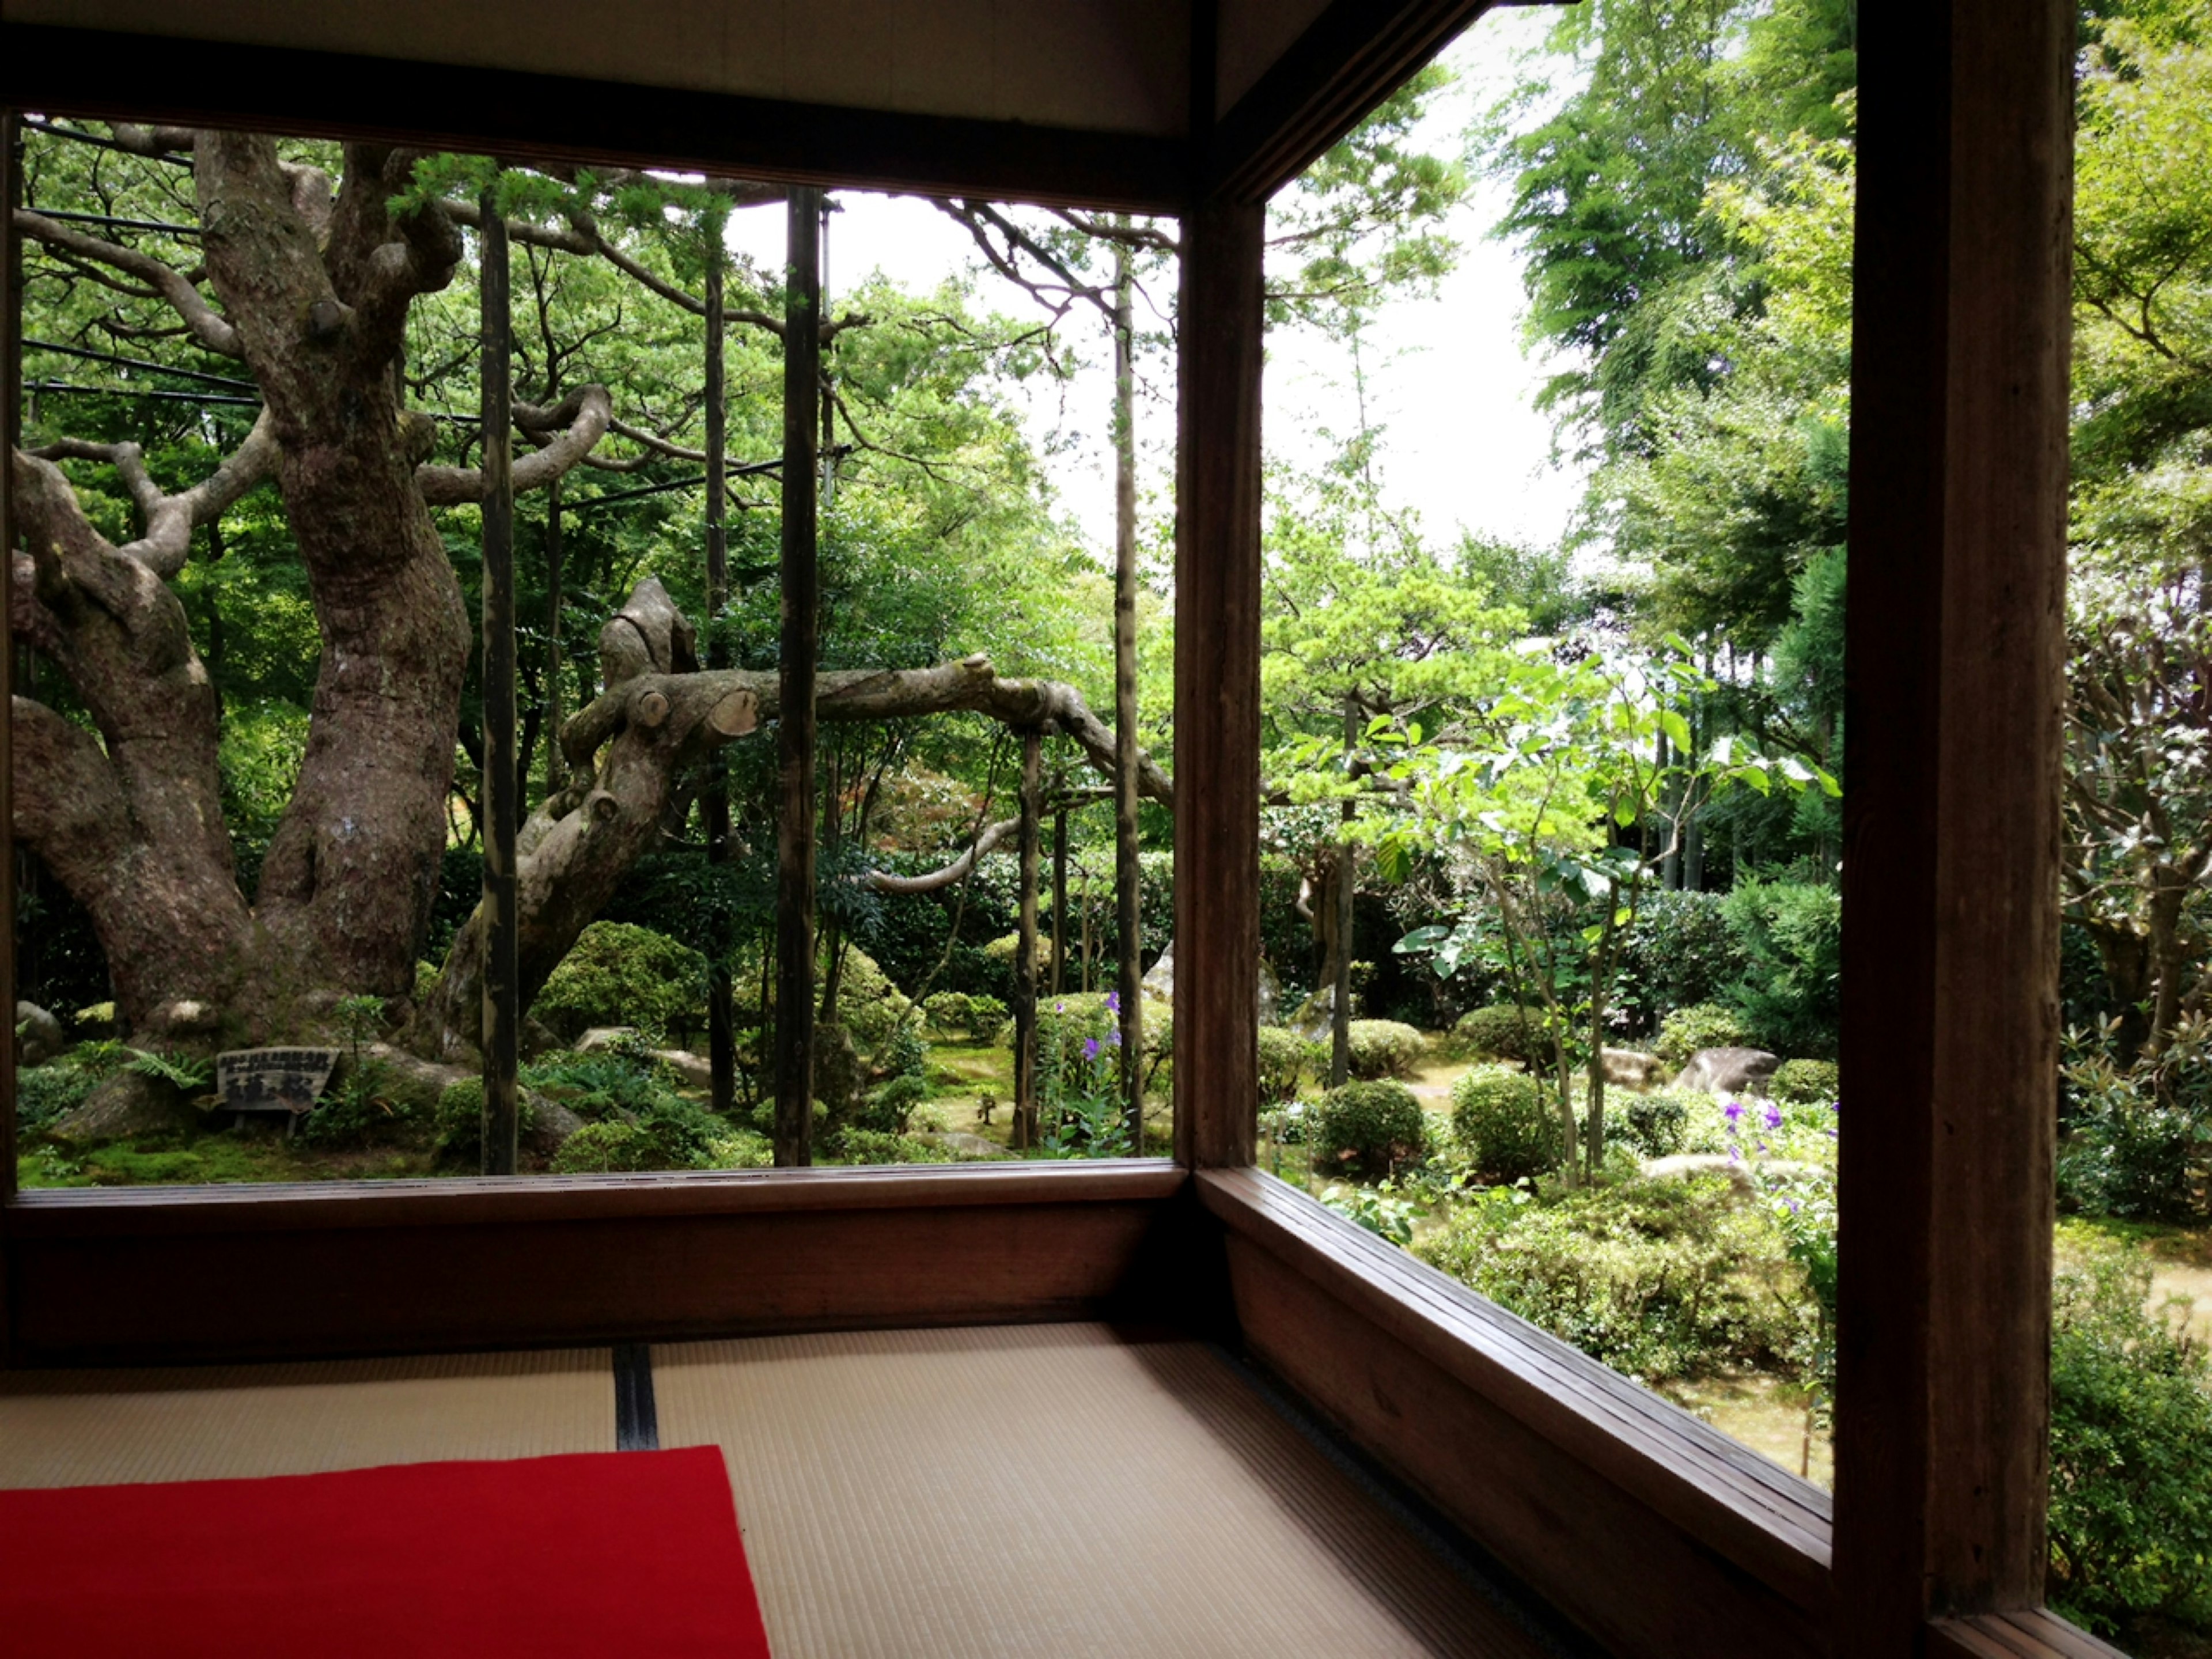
[
  {"x": 1657, "y": 1279},
  {"x": 870, "y": 1146},
  {"x": 1506, "y": 1125},
  {"x": 611, "y": 1147},
  {"x": 459, "y": 1119},
  {"x": 1679, "y": 951},
  {"x": 1284, "y": 1059},
  {"x": 1701, "y": 1026},
  {"x": 46, "y": 1094},
  {"x": 985, "y": 1015},
  {"x": 1806, "y": 1082},
  {"x": 619, "y": 974},
  {"x": 1654, "y": 1126},
  {"x": 1383, "y": 1047},
  {"x": 1365, "y": 1130},
  {"x": 1502, "y": 1031},
  {"x": 2130, "y": 1439},
  {"x": 946, "y": 1011}
]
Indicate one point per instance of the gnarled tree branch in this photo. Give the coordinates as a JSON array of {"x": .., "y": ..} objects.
[
  {"x": 171, "y": 520},
  {"x": 209, "y": 329},
  {"x": 588, "y": 410}
]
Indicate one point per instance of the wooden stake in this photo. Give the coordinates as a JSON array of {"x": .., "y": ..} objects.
[
  {"x": 502, "y": 775},
  {"x": 1059, "y": 898},
  {"x": 794, "y": 835},
  {"x": 556, "y": 768}
]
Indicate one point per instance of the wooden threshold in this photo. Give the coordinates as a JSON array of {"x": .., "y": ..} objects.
[
  {"x": 2037, "y": 1634},
  {"x": 1567, "y": 1472}
]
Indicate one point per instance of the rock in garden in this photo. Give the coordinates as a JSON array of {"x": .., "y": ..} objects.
[
  {"x": 123, "y": 1107},
  {"x": 967, "y": 1144},
  {"x": 1631, "y": 1068},
  {"x": 693, "y": 1071},
  {"x": 1160, "y": 979},
  {"x": 1729, "y": 1071},
  {"x": 38, "y": 1035},
  {"x": 600, "y": 1038},
  {"x": 551, "y": 1123}
]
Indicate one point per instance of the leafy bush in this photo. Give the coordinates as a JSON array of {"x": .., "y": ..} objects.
[
  {"x": 619, "y": 974},
  {"x": 1803, "y": 1082},
  {"x": 1653, "y": 1126},
  {"x": 459, "y": 1119},
  {"x": 1285, "y": 1058},
  {"x": 1378, "y": 1209},
  {"x": 1383, "y": 1047},
  {"x": 1367, "y": 1129},
  {"x": 985, "y": 1015},
  {"x": 1658, "y": 1279},
  {"x": 1506, "y": 1125},
  {"x": 365, "y": 1107},
  {"x": 947, "y": 1010},
  {"x": 1503, "y": 1032},
  {"x": 611, "y": 1147},
  {"x": 872, "y": 1146},
  {"x": 1790, "y": 995},
  {"x": 46, "y": 1094},
  {"x": 2130, "y": 1439},
  {"x": 887, "y": 1108},
  {"x": 1702, "y": 1025},
  {"x": 2131, "y": 1149},
  {"x": 1679, "y": 951}
]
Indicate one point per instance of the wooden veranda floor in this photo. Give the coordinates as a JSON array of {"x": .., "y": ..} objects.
[{"x": 1003, "y": 1490}]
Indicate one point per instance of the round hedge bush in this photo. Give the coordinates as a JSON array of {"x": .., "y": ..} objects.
[
  {"x": 1505, "y": 1125},
  {"x": 1383, "y": 1047},
  {"x": 1285, "y": 1058},
  {"x": 1501, "y": 1032},
  {"x": 1806, "y": 1082},
  {"x": 619, "y": 974},
  {"x": 1365, "y": 1130},
  {"x": 1700, "y": 1025},
  {"x": 459, "y": 1119}
]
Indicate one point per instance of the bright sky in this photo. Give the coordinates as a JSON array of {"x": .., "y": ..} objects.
[{"x": 1447, "y": 377}]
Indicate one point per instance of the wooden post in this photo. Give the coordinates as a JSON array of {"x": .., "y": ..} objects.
[
  {"x": 1026, "y": 949},
  {"x": 794, "y": 833},
  {"x": 1217, "y": 685},
  {"x": 714, "y": 801},
  {"x": 556, "y": 574},
  {"x": 1339, "y": 1013},
  {"x": 502, "y": 775},
  {"x": 1058, "y": 899},
  {"x": 1128, "y": 877},
  {"x": 11, "y": 381},
  {"x": 1955, "y": 728}
]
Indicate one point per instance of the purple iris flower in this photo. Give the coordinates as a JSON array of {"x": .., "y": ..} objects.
[
  {"x": 1113, "y": 1036},
  {"x": 1771, "y": 1116},
  {"x": 1091, "y": 1047},
  {"x": 1733, "y": 1112},
  {"x": 1114, "y": 1001}
]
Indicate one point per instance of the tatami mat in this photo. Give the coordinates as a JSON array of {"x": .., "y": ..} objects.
[
  {"x": 1051, "y": 1490},
  {"x": 89, "y": 1428}
]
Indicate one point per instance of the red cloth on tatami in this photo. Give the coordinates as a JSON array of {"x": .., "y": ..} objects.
[{"x": 605, "y": 1555}]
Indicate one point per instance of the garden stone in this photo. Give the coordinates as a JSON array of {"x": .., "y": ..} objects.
[
  {"x": 602, "y": 1038},
  {"x": 1630, "y": 1068},
  {"x": 967, "y": 1144},
  {"x": 694, "y": 1070},
  {"x": 1684, "y": 1165},
  {"x": 1160, "y": 979},
  {"x": 1729, "y": 1071},
  {"x": 551, "y": 1123},
  {"x": 39, "y": 1035},
  {"x": 411, "y": 1081},
  {"x": 124, "y": 1107}
]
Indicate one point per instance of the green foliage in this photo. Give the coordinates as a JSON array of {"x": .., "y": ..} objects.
[
  {"x": 949, "y": 1011},
  {"x": 189, "y": 1073},
  {"x": 458, "y": 1121},
  {"x": 985, "y": 1015},
  {"x": 1653, "y": 1125},
  {"x": 1803, "y": 1082},
  {"x": 1508, "y": 1128},
  {"x": 1504, "y": 1032},
  {"x": 860, "y": 1145},
  {"x": 1379, "y": 1209},
  {"x": 2136, "y": 1145},
  {"x": 46, "y": 1094},
  {"x": 1382, "y": 1047},
  {"x": 1658, "y": 1279},
  {"x": 361, "y": 1109},
  {"x": 2130, "y": 1439},
  {"x": 612, "y": 1146},
  {"x": 1367, "y": 1130},
  {"x": 1790, "y": 997},
  {"x": 1679, "y": 951},
  {"x": 621, "y": 974},
  {"x": 1704, "y": 1026},
  {"x": 1285, "y": 1058}
]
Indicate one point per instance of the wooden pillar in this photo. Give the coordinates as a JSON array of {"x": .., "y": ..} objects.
[
  {"x": 556, "y": 575},
  {"x": 502, "y": 775},
  {"x": 794, "y": 835},
  {"x": 1217, "y": 685},
  {"x": 1954, "y": 731},
  {"x": 714, "y": 802},
  {"x": 1025, "y": 947},
  {"x": 1128, "y": 876},
  {"x": 1059, "y": 899},
  {"x": 11, "y": 382},
  {"x": 1340, "y": 1012}
]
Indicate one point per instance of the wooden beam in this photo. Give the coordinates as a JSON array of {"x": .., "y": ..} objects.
[
  {"x": 141, "y": 1277},
  {"x": 1953, "y": 733},
  {"x": 11, "y": 378},
  {"x": 1217, "y": 685},
  {"x": 1351, "y": 57},
  {"x": 1128, "y": 872},
  {"x": 502, "y": 775},
  {"x": 1025, "y": 1125},
  {"x": 801, "y": 583},
  {"x": 714, "y": 800},
  {"x": 525, "y": 118}
]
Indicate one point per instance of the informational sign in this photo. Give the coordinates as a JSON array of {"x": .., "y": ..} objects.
[{"x": 274, "y": 1079}]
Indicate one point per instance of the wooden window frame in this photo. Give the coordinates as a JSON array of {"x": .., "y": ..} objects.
[{"x": 1651, "y": 1530}]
